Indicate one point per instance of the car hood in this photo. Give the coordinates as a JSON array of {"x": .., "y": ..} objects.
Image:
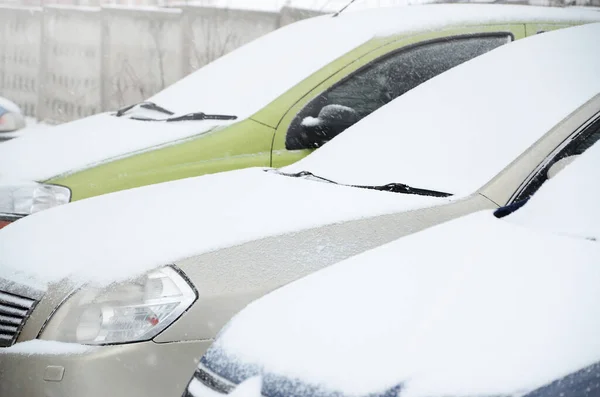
[
  {"x": 79, "y": 144},
  {"x": 119, "y": 235},
  {"x": 476, "y": 306}
]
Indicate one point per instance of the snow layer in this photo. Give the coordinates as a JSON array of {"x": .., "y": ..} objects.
[
  {"x": 245, "y": 80},
  {"x": 44, "y": 347},
  {"x": 119, "y": 235},
  {"x": 458, "y": 130},
  {"x": 78, "y": 144},
  {"x": 477, "y": 306}
]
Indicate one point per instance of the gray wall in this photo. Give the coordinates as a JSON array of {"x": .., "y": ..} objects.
[{"x": 62, "y": 63}]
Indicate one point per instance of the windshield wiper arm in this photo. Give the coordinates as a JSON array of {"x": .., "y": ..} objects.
[
  {"x": 390, "y": 187},
  {"x": 145, "y": 105},
  {"x": 190, "y": 117}
]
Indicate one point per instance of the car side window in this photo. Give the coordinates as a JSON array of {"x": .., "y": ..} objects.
[
  {"x": 380, "y": 82},
  {"x": 577, "y": 146}
]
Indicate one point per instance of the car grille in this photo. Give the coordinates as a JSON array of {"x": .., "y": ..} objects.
[{"x": 14, "y": 310}]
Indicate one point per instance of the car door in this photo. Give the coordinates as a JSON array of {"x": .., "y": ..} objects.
[{"x": 377, "y": 78}]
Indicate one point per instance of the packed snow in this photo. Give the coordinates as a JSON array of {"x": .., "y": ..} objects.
[
  {"x": 123, "y": 234},
  {"x": 443, "y": 136},
  {"x": 474, "y": 307},
  {"x": 45, "y": 347}
]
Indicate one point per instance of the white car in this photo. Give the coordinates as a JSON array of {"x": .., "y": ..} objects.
[
  {"x": 478, "y": 306},
  {"x": 11, "y": 119},
  {"x": 138, "y": 283}
]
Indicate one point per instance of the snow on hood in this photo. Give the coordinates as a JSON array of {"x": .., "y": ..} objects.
[
  {"x": 569, "y": 203},
  {"x": 458, "y": 130},
  {"x": 247, "y": 79},
  {"x": 119, "y": 235},
  {"x": 473, "y": 307},
  {"x": 81, "y": 143}
]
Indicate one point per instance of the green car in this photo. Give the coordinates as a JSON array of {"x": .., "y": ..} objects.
[{"x": 267, "y": 104}]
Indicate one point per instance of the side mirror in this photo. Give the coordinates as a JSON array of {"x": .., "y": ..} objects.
[
  {"x": 332, "y": 120},
  {"x": 560, "y": 165}
]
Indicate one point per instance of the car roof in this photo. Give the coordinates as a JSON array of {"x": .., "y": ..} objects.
[
  {"x": 460, "y": 129},
  {"x": 475, "y": 306},
  {"x": 250, "y": 77}
]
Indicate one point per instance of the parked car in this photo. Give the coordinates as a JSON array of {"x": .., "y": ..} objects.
[
  {"x": 477, "y": 306},
  {"x": 11, "y": 119},
  {"x": 101, "y": 312},
  {"x": 268, "y": 103}
]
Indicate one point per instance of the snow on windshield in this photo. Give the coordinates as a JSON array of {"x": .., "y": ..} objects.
[
  {"x": 458, "y": 130},
  {"x": 247, "y": 79},
  {"x": 569, "y": 203}
]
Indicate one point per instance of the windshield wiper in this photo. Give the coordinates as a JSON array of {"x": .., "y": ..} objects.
[
  {"x": 190, "y": 117},
  {"x": 406, "y": 189},
  {"x": 145, "y": 105},
  {"x": 390, "y": 187}
]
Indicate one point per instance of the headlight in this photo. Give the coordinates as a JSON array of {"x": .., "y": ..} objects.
[
  {"x": 131, "y": 311},
  {"x": 27, "y": 198}
]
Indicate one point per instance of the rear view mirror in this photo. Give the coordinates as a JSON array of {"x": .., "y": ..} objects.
[
  {"x": 332, "y": 120},
  {"x": 560, "y": 165}
]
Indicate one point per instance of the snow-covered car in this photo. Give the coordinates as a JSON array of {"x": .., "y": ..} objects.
[
  {"x": 477, "y": 306},
  {"x": 11, "y": 119},
  {"x": 119, "y": 294},
  {"x": 268, "y": 103}
]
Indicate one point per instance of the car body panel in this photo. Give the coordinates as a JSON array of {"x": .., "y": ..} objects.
[
  {"x": 119, "y": 371},
  {"x": 241, "y": 145},
  {"x": 260, "y": 266}
]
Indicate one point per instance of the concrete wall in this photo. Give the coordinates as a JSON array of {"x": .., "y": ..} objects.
[{"x": 60, "y": 63}]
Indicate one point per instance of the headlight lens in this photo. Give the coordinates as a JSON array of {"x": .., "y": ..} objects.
[
  {"x": 27, "y": 198},
  {"x": 131, "y": 311}
]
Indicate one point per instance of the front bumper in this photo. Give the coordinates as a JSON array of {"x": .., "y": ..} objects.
[{"x": 145, "y": 369}]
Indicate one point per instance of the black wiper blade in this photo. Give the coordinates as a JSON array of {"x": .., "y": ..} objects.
[
  {"x": 190, "y": 117},
  {"x": 202, "y": 116},
  {"x": 390, "y": 187},
  {"x": 145, "y": 105},
  {"x": 406, "y": 189}
]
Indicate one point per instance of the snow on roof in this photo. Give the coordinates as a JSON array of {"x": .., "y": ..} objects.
[
  {"x": 458, "y": 130},
  {"x": 476, "y": 306},
  {"x": 107, "y": 238},
  {"x": 247, "y": 79}
]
